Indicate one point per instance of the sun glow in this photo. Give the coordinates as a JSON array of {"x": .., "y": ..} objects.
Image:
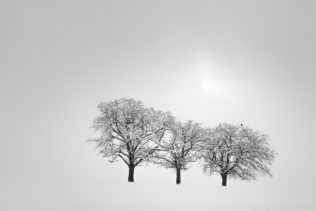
[
  {"x": 212, "y": 78},
  {"x": 209, "y": 86},
  {"x": 208, "y": 80}
]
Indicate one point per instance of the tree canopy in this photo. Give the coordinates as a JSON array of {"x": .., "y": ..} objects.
[
  {"x": 134, "y": 133},
  {"x": 237, "y": 152},
  {"x": 126, "y": 129},
  {"x": 179, "y": 147}
]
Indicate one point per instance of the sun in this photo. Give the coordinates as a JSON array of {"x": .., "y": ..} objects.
[
  {"x": 206, "y": 86},
  {"x": 208, "y": 78},
  {"x": 209, "y": 86}
]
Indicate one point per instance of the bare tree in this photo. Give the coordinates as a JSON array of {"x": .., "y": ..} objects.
[
  {"x": 178, "y": 145},
  {"x": 237, "y": 152},
  {"x": 126, "y": 129}
]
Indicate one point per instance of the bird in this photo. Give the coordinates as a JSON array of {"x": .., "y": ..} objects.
[{"x": 241, "y": 125}]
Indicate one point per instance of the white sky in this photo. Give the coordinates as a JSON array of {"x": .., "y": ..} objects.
[{"x": 211, "y": 61}]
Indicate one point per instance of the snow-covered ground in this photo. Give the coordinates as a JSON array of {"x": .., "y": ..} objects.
[{"x": 31, "y": 194}]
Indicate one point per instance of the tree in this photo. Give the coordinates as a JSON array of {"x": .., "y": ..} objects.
[
  {"x": 177, "y": 146},
  {"x": 237, "y": 152},
  {"x": 126, "y": 129}
]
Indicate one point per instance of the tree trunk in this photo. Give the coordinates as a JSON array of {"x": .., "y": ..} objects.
[
  {"x": 224, "y": 179},
  {"x": 178, "y": 180},
  {"x": 131, "y": 173}
]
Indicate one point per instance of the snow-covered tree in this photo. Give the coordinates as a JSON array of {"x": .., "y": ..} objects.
[
  {"x": 238, "y": 152},
  {"x": 126, "y": 129},
  {"x": 178, "y": 146}
]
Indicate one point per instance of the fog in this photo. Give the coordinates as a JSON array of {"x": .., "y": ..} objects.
[{"x": 250, "y": 62}]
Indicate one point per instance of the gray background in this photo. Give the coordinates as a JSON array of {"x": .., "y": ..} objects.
[{"x": 210, "y": 61}]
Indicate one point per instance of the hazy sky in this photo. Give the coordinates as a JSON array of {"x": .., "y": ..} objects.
[{"x": 211, "y": 61}]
